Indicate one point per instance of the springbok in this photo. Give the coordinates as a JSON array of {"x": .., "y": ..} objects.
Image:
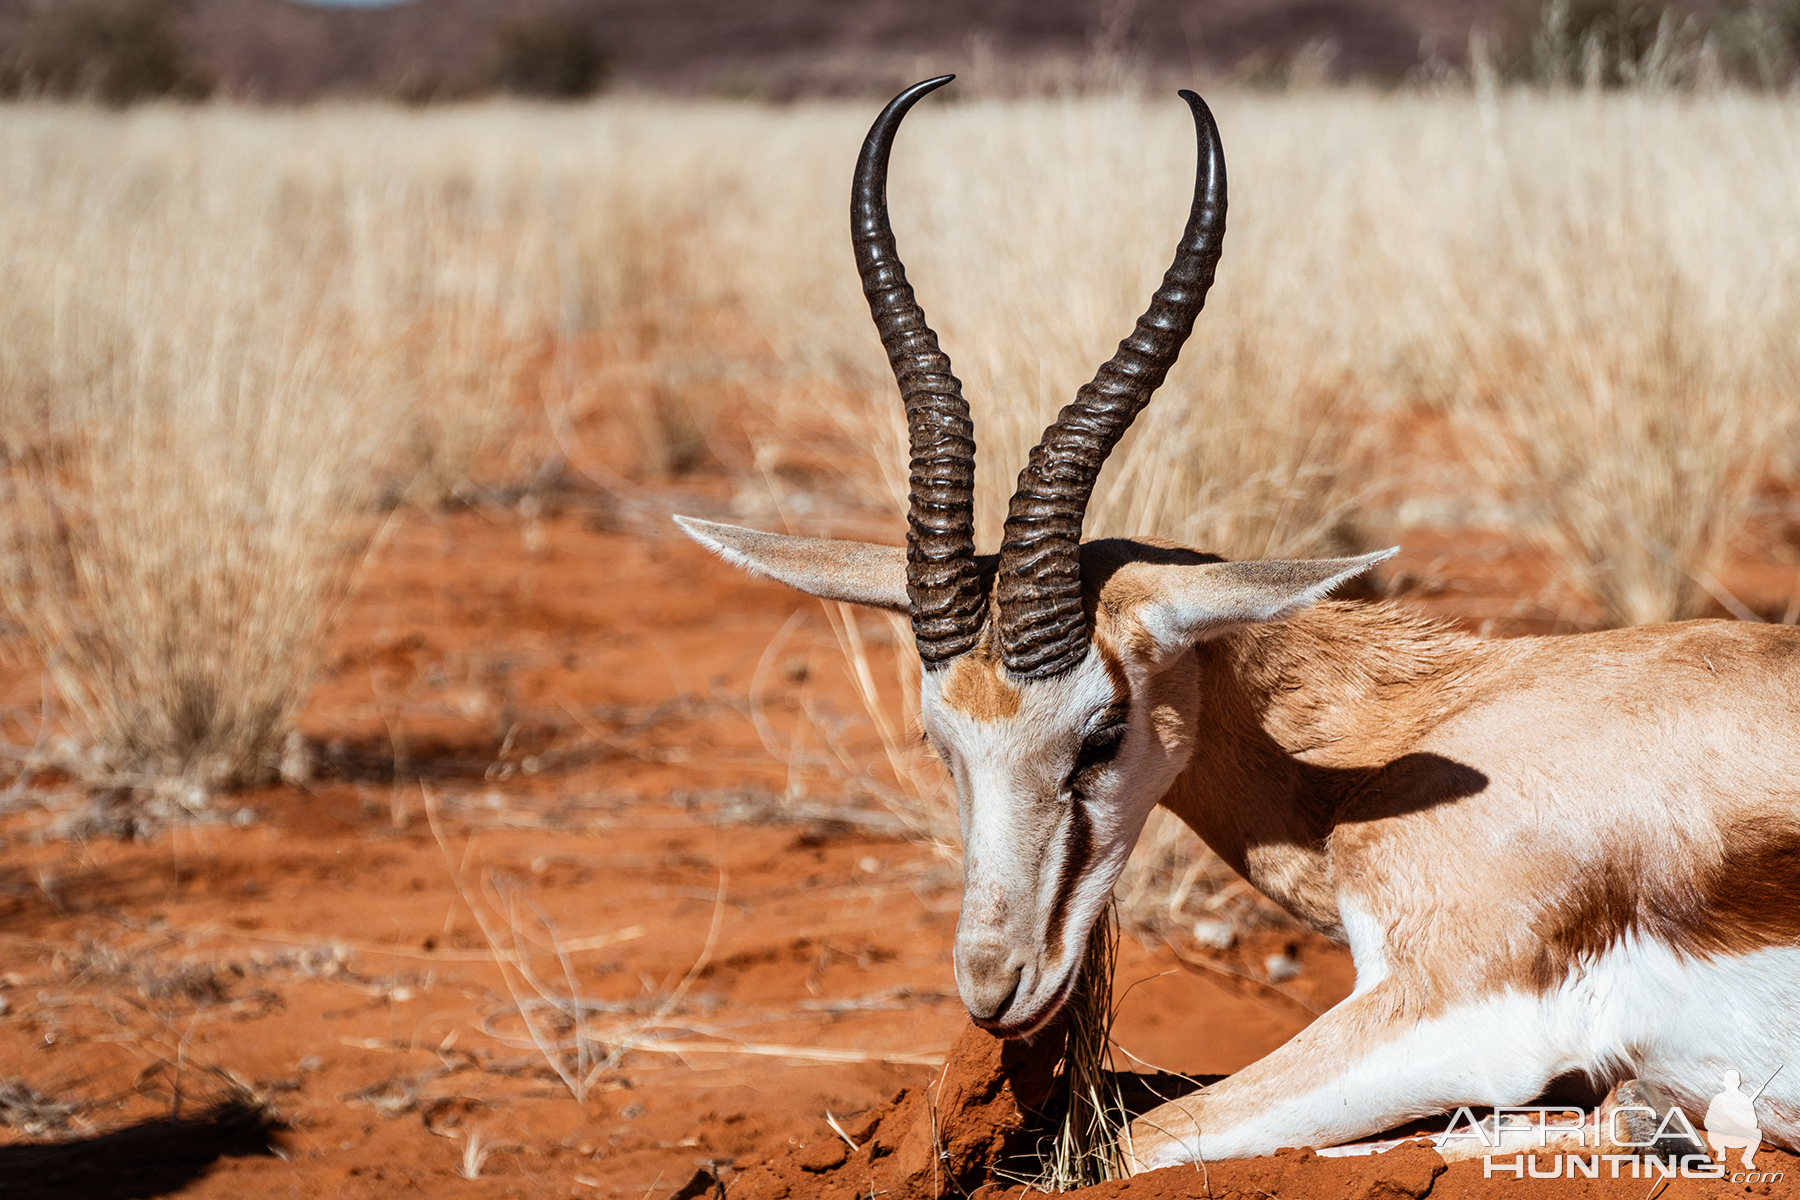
[{"x": 1547, "y": 855}]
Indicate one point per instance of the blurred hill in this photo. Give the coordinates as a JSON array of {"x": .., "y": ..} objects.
[{"x": 280, "y": 50}]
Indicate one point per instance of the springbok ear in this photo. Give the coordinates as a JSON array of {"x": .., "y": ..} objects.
[
  {"x": 1189, "y": 604},
  {"x": 854, "y": 572}
]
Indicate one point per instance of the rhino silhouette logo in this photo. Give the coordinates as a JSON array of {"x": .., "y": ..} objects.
[{"x": 1731, "y": 1120}]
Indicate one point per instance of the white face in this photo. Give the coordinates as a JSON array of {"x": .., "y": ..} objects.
[{"x": 1054, "y": 780}]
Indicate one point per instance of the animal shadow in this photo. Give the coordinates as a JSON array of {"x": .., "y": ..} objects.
[{"x": 151, "y": 1158}]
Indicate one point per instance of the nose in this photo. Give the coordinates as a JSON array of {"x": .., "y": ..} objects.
[{"x": 987, "y": 976}]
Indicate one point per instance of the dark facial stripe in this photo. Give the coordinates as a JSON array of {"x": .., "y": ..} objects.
[{"x": 1078, "y": 853}]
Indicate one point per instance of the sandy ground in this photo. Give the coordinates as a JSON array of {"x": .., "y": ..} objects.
[{"x": 583, "y": 806}]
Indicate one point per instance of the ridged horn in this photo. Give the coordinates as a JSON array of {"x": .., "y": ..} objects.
[
  {"x": 942, "y": 578},
  {"x": 1042, "y": 629}
]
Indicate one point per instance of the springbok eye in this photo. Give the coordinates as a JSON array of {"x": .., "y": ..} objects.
[{"x": 1100, "y": 746}]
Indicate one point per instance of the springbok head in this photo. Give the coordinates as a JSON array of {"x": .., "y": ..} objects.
[{"x": 1059, "y": 688}]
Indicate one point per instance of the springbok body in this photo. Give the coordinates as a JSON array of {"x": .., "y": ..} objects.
[{"x": 1547, "y": 855}]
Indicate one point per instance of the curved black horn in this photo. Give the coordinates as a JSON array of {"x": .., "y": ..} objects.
[
  {"x": 941, "y": 574},
  {"x": 1042, "y": 629}
]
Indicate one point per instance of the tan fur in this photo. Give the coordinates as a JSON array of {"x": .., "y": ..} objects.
[
  {"x": 1355, "y": 744},
  {"x": 1506, "y": 812},
  {"x": 978, "y": 688},
  {"x": 1116, "y": 592}
]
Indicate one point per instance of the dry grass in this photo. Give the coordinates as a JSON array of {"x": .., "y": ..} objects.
[
  {"x": 26, "y": 1111},
  {"x": 1639, "y": 376},
  {"x": 224, "y": 342},
  {"x": 1087, "y": 1146},
  {"x": 552, "y": 1011}
]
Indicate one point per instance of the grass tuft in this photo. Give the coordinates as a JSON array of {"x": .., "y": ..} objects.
[
  {"x": 30, "y": 1113},
  {"x": 223, "y": 346},
  {"x": 1087, "y": 1147}
]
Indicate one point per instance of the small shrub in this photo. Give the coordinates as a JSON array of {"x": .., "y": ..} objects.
[
  {"x": 1758, "y": 41},
  {"x": 116, "y": 51},
  {"x": 207, "y": 377},
  {"x": 1646, "y": 43},
  {"x": 547, "y": 56},
  {"x": 26, "y": 1111}
]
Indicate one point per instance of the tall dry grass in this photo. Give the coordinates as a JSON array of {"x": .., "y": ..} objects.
[
  {"x": 226, "y": 336},
  {"x": 1640, "y": 375}
]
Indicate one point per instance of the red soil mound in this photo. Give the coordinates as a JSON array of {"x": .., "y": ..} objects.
[{"x": 944, "y": 1137}]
